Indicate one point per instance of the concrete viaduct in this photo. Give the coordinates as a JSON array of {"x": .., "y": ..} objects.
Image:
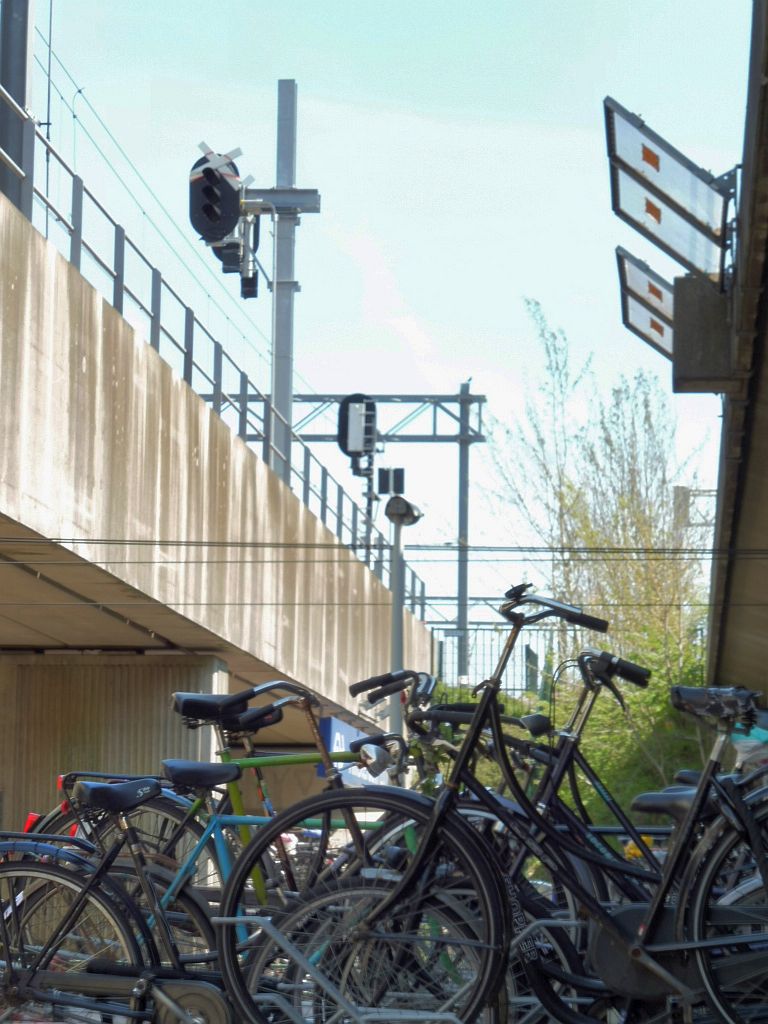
[{"x": 145, "y": 548}]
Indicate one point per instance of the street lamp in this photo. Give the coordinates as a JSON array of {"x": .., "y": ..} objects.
[{"x": 400, "y": 512}]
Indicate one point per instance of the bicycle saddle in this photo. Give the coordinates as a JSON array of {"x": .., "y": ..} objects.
[
  {"x": 214, "y": 708},
  {"x": 115, "y": 796},
  {"x": 734, "y": 703},
  {"x": 199, "y": 774},
  {"x": 673, "y": 802}
]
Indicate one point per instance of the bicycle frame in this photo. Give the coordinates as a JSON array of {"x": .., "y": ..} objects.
[
  {"x": 91, "y": 990},
  {"x": 540, "y": 838}
]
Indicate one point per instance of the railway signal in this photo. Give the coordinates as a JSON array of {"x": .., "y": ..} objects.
[{"x": 214, "y": 195}]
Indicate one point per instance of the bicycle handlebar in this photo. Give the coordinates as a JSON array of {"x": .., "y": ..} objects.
[
  {"x": 259, "y": 718},
  {"x": 570, "y": 613},
  {"x": 613, "y": 665},
  {"x": 401, "y": 675},
  {"x": 386, "y": 691},
  {"x": 377, "y": 739},
  {"x": 457, "y": 715},
  {"x": 580, "y": 618},
  {"x": 279, "y": 684}
]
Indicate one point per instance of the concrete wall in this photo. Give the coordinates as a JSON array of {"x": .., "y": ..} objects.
[
  {"x": 101, "y": 441},
  {"x": 82, "y": 712}
]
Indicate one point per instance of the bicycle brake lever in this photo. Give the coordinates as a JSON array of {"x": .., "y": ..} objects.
[{"x": 616, "y": 692}]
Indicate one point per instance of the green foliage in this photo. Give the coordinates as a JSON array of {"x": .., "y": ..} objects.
[
  {"x": 436, "y": 760},
  {"x": 594, "y": 477}
]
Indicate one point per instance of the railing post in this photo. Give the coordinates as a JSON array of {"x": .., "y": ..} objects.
[
  {"x": 189, "y": 344},
  {"x": 323, "y": 495},
  {"x": 378, "y": 565},
  {"x": 118, "y": 285},
  {"x": 218, "y": 363},
  {"x": 242, "y": 420},
  {"x": 157, "y": 289},
  {"x": 340, "y": 512},
  {"x": 27, "y": 185},
  {"x": 354, "y": 527},
  {"x": 306, "y": 485},
  {"x": 16, "y": 33},
  {"x": 76, "y": 238},
  {"x": 267, "y": 428}
]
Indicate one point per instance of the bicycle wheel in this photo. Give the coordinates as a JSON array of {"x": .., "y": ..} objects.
[
  {"x": 344, "y": 961},
  {"x": 167, "y": 835},
  {"x": 730, "y": 901},
  {"x": 369, "y": 836},
  {"x": 34, "y": 899},
  {"x": 186, "y": 914}
]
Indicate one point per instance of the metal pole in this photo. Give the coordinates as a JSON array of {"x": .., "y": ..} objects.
[
  {"x": 16, "y": 30},
  {"x": 398, "y": 600},
  {"x": 268, "y": 453},
  {"x": 284, "y": 285},
  {"x": 370, "y": 494},
  {"x": 462, "y": 585}
]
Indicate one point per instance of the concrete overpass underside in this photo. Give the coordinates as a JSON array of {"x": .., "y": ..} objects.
[
  {"x": 139, "y": 535},
  {"x": 738, "y": 651}
]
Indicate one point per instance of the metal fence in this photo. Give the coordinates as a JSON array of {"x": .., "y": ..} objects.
[
  {"x": 87, "y": 235},
  {"x": 529, "y": 671}
]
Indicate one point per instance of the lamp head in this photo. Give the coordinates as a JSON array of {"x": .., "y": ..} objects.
[{"x": 401, "y": 512}]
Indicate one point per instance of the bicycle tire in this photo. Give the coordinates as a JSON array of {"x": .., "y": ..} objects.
[
  {"x": 730, "y": 899},
  {"x": 370, "y": 973},
  {"x": 458, "y": 872},
  {"x": 549, "y": 967},
  {"x": 33, "y": 899},
  {"x": 164, "y": 830},
  {"x": 187, "y": 916}
]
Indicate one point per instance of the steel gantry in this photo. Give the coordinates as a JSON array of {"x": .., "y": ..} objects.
[{"x": 451, "y": 421}]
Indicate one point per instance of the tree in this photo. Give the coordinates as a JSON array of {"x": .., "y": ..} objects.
[{"x": 599, "y": 472}]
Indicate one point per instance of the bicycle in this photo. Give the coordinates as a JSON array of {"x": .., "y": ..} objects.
[
  {"x": 647, "y": 956},
  {"x": 171, "y": 824},
  {"x": 76, "y": 946},
  {"x": 124, "y": 964}
]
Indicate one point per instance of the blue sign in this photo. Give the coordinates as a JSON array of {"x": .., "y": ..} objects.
[{"x": 337, "y": 735}]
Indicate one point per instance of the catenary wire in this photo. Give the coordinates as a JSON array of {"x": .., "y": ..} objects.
[{"x": 197, "y": 254}]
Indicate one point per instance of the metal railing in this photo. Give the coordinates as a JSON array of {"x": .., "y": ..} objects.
[
  {"x": 527, "y": 676},
  {"x": 93, "y": 242}
]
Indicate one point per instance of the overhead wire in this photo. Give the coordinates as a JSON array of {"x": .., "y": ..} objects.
[
  {"x": 131, "y": 164},
  {"x": 521, "y": 549},
  {"x": 521, "y": 553},
  {"x": 153, "y": 194},
  {"x": 385, "y": 603},
  {"x": 343, "y": 559}
]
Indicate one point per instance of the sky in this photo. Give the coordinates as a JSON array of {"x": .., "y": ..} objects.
[{"x": 459, "y": 149}]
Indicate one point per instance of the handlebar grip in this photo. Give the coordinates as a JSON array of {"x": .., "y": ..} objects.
[
  {"x": 376, "y": 740},
  {"x": 631, "y": 672},
  {"x": 612, "y": 665},
  {"x": 587, "y": 621},
  {"x": 382, "y": 680},
  {"x": 386, "y": 691}
]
